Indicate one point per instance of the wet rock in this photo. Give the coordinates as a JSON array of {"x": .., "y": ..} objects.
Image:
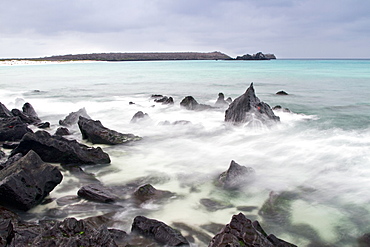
[
  {"x": 364, "y": 240},
  {"x": 236, "y": 176},
  {"x": 98, "y": 193},
  {"x": 10, "y": 161},
  {"x": 26, "y": 182},
  {"x": 159, "y": 231},
  {"x": 148, "y": 192},
  {"x": 56, "y": 149},
  {"x": 221, "y": 102},
  {"x": 246, "y": 208},
  {"x": 4, "y": 112},
  {"x": 44, "y": 125},
  {"x": 277, "y": 208},
  {"x": 73, "y": 117},
  {"x": 280, "y": 108},
  {"x": 139, "y": 116},
  {"x": 67, "y": 200},
  {"x": 10, "y": 145},
  {"x": 30, "y": 111},
  {"x": 282, "y": 93},
  {"x": 190, "y": 103},
  {"x": 12, "y": 129},
  {"x": 62, "y": 131},
  {"x": 247, "y": 108},
  {"x": 96, "y": 133},
  {"x": 243, "y": 232},
  {"x": 213, "y": 205},
  {"x": 229, "y": 100},
  {"x": 23, "y": 117},
  {"x": 164, "y": 100}
]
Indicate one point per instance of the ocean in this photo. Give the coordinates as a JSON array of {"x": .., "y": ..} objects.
[{"x": 318, "y": 156}]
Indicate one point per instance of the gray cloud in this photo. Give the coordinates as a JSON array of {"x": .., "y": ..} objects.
[{"x": 288, "y": 28}]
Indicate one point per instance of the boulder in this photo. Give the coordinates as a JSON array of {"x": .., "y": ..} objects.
[
  {"x": 243, "y": 232},
  {"x": 221, "y": 102},
  {"x": 159, "y": 231},
  {"x": 190, "y": 103},
  {"x": 12, "y": 129},
  {"x": 30, "y": 111},
  {"x": 10, "y": 161},
  {"x": 139, "y": 116},
  {"x": 62, "y": 131},
  {"x": 236, "y": 176},
  {"x": 96, "y": 133},
  {"x": 148, "y": 192},
  {"x": 4, "y": 112},
  {"x": 23, "y": 117},
  {"x": 73, "y": 117},
  {"x": 164, "y": 100},
  {"x": 282, "y": 93},
  {"x": 97, "y": 192},
  {"x": 26, "y": 182},
  {"x": 57, "y": 149},
  {"x": 248, "y": 109}
]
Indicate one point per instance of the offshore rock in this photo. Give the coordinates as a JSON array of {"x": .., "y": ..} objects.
[
  {"x": 164, "y": 100},
  {"x": 243, "y": 232},
  {"x": 159, "y": 231},
  {"x": 57, "y": 149},
  {"x": 236, "y": 176},
  {"x": 139, "y": 116},
  {"x": 97, "y": 192},
  {"x": 26, "y": 182},
  {"x": 191, "y": 104},
  {"x": 247, "y": 108},
  {"x": 221, "y": 102},
  {"x": 4, "y": 112},
  {"x": 73, "y": 117},
  {"x": 257, "y": 56},
  {"x": 282, "y": 93},
  {"x": 96, "y": 133},
  {"x": 12, "y": 129}
]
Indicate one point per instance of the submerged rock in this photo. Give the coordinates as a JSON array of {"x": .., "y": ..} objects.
[
  {"x": 243, "y": 232},
  {"x": 12, "y": 129},
  {"x": 57, "y": 149},
  {"x": 148, "y": 192},
  {"x": 159, "y": 231},
  {"x": 96, "y": 133},
  {"x": 213, "y": 205},
  {"x": 73, "y": 117},
  {"x": 27, "y": 181},
  {"x": 97, "y": 192},
  {"x": 236, "y": 176},
  {"x": 282, "y": 93},
  {"x": 247, "y": 108},
  {"x": 139, "y": 116},
  {"x": 191, "y": 104}
]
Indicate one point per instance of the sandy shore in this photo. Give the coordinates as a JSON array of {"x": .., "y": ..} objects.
[{"x": 32, "y": 62}]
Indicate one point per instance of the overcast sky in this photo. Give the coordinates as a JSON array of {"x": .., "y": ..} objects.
[{"x": 287, "y": 28}]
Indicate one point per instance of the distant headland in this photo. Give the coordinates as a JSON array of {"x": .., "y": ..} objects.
[{"x": 154, "y": 56}]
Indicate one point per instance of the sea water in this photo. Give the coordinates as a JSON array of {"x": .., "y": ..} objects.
[{"x": 319, "y": 152}]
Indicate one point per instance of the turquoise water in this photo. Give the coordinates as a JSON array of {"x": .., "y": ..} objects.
[{"x": 319, "y": 151}]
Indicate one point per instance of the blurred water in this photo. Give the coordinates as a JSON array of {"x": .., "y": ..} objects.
[{"x": 319, "y": 151}]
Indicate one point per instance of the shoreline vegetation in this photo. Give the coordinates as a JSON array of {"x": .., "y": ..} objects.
[{"x": 139, "y": 56}]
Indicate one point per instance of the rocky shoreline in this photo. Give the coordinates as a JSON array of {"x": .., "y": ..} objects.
[{"x": 33, "y": 170}]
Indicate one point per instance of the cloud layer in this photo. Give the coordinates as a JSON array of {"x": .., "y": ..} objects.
[{"x": 288, "y": 28}]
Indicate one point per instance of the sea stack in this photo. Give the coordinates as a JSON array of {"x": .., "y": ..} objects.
[{"x": 248, "y": 109}]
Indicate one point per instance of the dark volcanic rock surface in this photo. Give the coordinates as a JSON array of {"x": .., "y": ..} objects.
[
  {"x": 159, "y": 231},
  {"x": 73, "y": 117},
  {"x": 191, "y": 104},
  {"x": 26, "y": 182},
  {"x": 247, "y": 108},
  {"x": 12, "y": 129},
  {"x": 243, "y": 232},
  {"x": 96, "y": 133},
  {"x": 236, "y": 176},
  {"x": 4, "y": 112},
  {"x": 57, "y": 149},
  {"x": 97, "y": 192}
]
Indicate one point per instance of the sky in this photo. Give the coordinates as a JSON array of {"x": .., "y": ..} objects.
[{"x": 286, "y": 28}]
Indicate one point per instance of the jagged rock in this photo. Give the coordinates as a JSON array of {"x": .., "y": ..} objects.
[
  {"x": 12, "y": 129},
  {"x": 73, "y": 117},
  {"x": 148, "y": 192},
  {"x": 30, "y": 111},
  {"x": 57, "y": 149},
  {"x": 10, "y": 161},
  {"x": 282, "y": 93},
  {"x": 191, "y": 104},
  {"x": 25, "y": 118},
  {"x": 257, "y": 56},
  {"x": 229, "y": 100},
  {"x": 4, "y": 112},
  {"x": 96, "y": 133},
  {"x": 26, "y": 182},
  {"x": 61, "y": 131},
  {"x": 247, "y": 108},
  {"x": 164, "y": 100},
  {"x": 243, "y": 232},
  {"x": 236, "y": 176},
  {"x": 139, "y": 116},
  {"x": 159, "y": 231},
  {"x": 221, "y": 102},
  {"x": 97, "y": 192}
]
